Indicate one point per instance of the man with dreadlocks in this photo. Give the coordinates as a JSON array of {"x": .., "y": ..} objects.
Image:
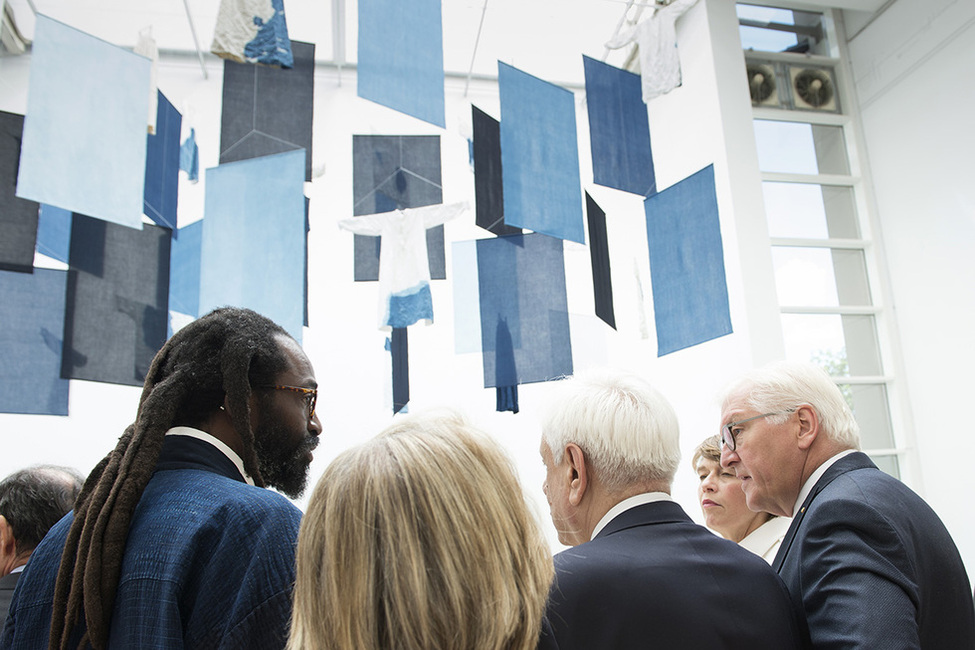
[{"x": 172, "y": 542}]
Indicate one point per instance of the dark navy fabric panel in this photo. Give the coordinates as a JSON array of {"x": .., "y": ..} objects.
[
  {"x": 602, "y": 277},
  {"x": 18, "y": 217},
  {"x": 488, "y": 186},
  {"x": 117, "y": 306},
  {"x": 690, "y": 293},
  {"x": 524, "y": 314},
  {"x": 162, "y": 165},
  {"x": 619, "y": 131},
  {"x": 32, "y": 317},
  {"x": 390, "y": 172},
  {"x": 400, "y": 351}
]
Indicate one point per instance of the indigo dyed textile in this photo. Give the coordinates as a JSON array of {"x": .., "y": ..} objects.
[
  {"x": 391, "y": 172},
  {"x": 189, "y": 157},
  {"x": 117, "y": 307},
  {"x": 54, "y": 232},
  {"x": 254, "y": 238},
  {"x": 690, "y": 294},
  {"x": 602, "y": 277},
  {"x": 85, "y": 156},
  {"x": 399, "y": 348},
  {"x": 184, "y": 270},
  {"x": 252, "y": 31},
  {"x": 619, "y": 131},
  {"x": 488, "y": 186},
  {"x": 268, "y": 110},
  {"x": 162, "y": 165},
  {"x": 31, "y": 327},
  {"x": 404, "y": 274},
  {"x": 539, "y": 156},
  {"x": 18, "y": 217},
  {"x": 521, "y": 281},
  {"x": 400, "y": 57}
]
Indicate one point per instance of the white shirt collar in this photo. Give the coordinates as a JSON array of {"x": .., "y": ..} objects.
[
  {"x": 814, "y": 478},
  {"x": 18, "y": 569},
  {"x": 626, "y": 504},
  {"x": 216, "y": 442}
]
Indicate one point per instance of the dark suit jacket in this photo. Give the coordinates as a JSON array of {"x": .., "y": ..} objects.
[
  {"x": 653, "y": 578},
  {"x": 870, "y": 565},
  {"x": 7, "y": 584}
]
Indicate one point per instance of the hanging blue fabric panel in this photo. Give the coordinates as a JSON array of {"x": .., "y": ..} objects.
[
  {"x": 392, "y": 172},
  {"x": 184, "y": 270},
  {"x": 619, "y": 131},
  {"x": 268, "y": 42},
  {"x": 117, "y": 305},
  {"x": 189, "y": 157},
  {"x": 18, "y": 217},
  {"x": 399, "y": 349},
  {"x": 488, "y": 187},
  {"x": 524, "y": 317},
  {"x": 467, "y": 314},
  {"x": 539, "y": 156},
  {"x": 602, "y": 277},
  {"x": 690, "y": 294},
  {"x": 254, "y": 238},
  {"x": 162, "y": 165},
  {"x": 32, "y": 313},
  {"x": 268, "y": 110},
  {"x": 54, "y": 232},
  {"x": 85, "y": 131},
  {"x": 400, "y": 57}
]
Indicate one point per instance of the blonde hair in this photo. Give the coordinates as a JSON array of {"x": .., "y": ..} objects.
[{"x": 417, "y": 539}]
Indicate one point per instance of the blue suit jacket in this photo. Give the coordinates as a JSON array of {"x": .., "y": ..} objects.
[
  {"x": 870, "y": 565},
  {"x": 653, "y": 578},
  {"x": 209, "y": 563}
]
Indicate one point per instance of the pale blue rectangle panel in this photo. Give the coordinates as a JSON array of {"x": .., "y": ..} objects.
[
  {"x": 84, "y": 145},
  {"x": 253, "y": 243},
  {"x": 400, "y": 62},
  {"x": 539, "y": 156},
  {"x": 54, "y": 232},
  {"x": 31, "y": 335},
  {"x": 184, "y": 270},
  {"x": 690, "y": 294},
  {"x": 467, "y": 313}
]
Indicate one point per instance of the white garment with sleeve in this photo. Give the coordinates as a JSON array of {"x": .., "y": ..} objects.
[
  {"x": 404, "y": 272},
  {"x": 766, "y": 539}
]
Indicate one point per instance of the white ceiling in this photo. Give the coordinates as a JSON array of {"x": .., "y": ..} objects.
[{"x": 542, "y": 37}]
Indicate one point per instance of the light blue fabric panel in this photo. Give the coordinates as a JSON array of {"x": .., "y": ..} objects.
[
  {"x": 539, "y": 156},
  {"x": 184, "y": 270},
  {"x": 467, "y": 312},
  {"x": 619, "y": 131},
  {"x": 400, "y": 62},
  {"x": 690, "y": 294},
  {"x": 253, "y": 241},
  {"x": 54, "y": 232},
  {"x": 524, "y": 314},
  {"x": 31, "y": 334},
  {"x": 84, "y": 145}
]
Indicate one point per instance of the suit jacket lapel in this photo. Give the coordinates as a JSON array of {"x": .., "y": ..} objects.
[{"x": 856, "y": 460}]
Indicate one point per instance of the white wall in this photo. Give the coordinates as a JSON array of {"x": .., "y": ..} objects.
[
  {"x": 706, "y": 121},
  {"x": 912, "y": 67}
]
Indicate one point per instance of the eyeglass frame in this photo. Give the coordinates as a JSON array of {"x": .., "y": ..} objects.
[
  {"x": 302, "y": 391},
  {"x": 727, "y": 428}
]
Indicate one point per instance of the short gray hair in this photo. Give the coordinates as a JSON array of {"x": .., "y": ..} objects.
[
  {"x": 626, "y": 428},
  {"x": 34, "y": 499},
  {"x": 784, "y": 385}
]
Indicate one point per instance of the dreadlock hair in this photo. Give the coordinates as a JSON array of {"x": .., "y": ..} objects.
[{"x": 219, "y": 356}]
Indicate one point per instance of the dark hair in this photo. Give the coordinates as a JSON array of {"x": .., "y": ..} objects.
[
  {"x": 215, "y": 358},
  {"x": 34, "y": 499}
]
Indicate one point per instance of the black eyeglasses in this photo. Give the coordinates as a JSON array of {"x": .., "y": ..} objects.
[
  {"x": 729, "y": 437},
  {"x": 309, "y": 395}
]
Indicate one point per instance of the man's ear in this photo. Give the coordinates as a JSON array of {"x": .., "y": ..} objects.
[
  {"x": 8, "y": 545},
  {"x": 808, "y": 426},
  {"x": 578, "y": 477}
]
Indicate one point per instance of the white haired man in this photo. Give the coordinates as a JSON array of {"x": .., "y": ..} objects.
[
  {"x": 642, "y": 574},
  {"x": 868, "y": 563}
]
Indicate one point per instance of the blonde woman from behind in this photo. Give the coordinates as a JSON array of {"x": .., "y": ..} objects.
[{"x": 417, "y": 539}]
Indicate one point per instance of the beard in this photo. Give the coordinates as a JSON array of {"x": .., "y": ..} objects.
[{"x": 283, "y": 465}]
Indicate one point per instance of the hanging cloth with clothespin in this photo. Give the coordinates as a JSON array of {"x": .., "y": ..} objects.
[{"x": 656, "y": 37}]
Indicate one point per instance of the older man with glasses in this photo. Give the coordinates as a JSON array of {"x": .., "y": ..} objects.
[{"x": 868, "y": 563}]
